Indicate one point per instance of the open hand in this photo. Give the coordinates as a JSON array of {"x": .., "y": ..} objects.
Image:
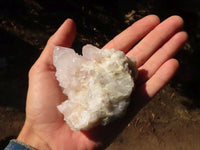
[{"x": 44, "y": 126}]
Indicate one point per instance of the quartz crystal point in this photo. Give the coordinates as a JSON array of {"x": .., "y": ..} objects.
[{"x": 98, "y": 85}]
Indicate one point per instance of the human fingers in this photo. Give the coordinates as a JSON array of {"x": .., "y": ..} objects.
[
  {"x": 167, "y": 51},
  {"x": 157, "y": 81},
  {"x": 155, "y": 39},
  {"x": 64, "y": 36},
  {"x": 125, "y": 40}
]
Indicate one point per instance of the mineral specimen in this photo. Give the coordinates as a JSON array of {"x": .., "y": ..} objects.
[{"x": 98, "y": 85}]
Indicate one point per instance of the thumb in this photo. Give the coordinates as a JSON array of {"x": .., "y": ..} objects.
[{"x": 64, "y": 36}]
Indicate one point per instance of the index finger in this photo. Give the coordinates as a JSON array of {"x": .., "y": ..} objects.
[{"x": 126, "y": 39}]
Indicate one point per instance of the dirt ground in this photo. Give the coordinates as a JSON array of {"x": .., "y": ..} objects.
[{"x": 171, "y": 121}]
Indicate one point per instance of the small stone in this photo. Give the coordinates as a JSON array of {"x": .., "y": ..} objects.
[{"x": 98, "y": 85}]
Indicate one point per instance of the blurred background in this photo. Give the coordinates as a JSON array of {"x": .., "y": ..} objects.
[{"x": 170, "y": 121}]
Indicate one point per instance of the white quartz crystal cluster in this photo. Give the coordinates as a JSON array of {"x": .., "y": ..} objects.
[{"x": 98, "y": 85}]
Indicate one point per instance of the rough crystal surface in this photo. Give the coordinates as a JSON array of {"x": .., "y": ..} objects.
[{"x": 98, "y": 85}]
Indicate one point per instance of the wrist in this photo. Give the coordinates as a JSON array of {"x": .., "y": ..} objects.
[{"x": 28, "y": 136}]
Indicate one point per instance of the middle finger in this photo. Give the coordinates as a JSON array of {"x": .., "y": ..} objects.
[{"x": 155, "y": 39}]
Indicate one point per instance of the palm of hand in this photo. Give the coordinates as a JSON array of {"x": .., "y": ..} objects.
[
  {"x": 45, "y": 118},
  {"x": 44, "y": 93}
]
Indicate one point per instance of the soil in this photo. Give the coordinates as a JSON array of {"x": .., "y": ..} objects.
[{"x": 171, "y": 121}]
